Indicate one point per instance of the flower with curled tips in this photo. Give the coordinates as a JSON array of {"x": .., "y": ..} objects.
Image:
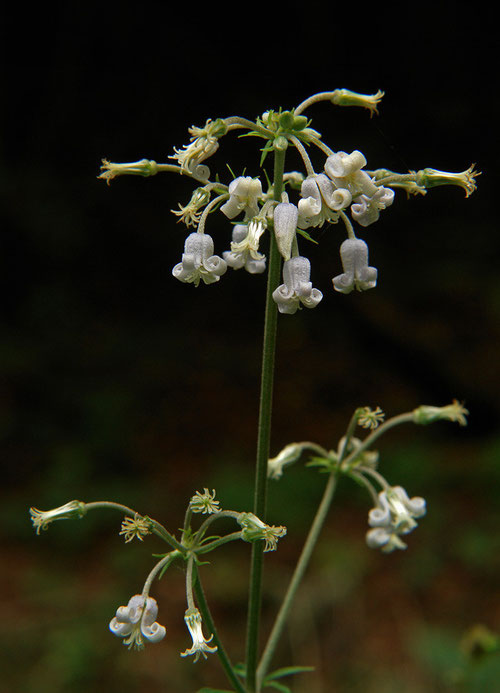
[
  {"x": 245, "y": 247},
  {"x": 244, "y": 194},
  {"x": 296, "y": 288},
  {"x": 393, "y": 516},
  {"x": 366, "y": 210},
  {"x": 345, "y": 171},
  {"x": 203, "y": 143},
  {"x": 199, "y": 262},
  {"x": 137, "y": 621},
  {"x": 42, "y": 518},
  {"x": 357, "y": 274},
  {"x": 200, "y": 646},
  {"x": 321, "y": 201}
]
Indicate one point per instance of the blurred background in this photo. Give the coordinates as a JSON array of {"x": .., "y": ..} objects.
[{"x": 119, "y": 383}]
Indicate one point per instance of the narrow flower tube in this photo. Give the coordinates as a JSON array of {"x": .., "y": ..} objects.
[
  {"x": 344, "y": 97},
  {"x": 42, "y": 518},
  {"x": 357, "y": 274},
  {"x": 285, "y": 227},
  {"x": 200, "y": 645},
  {"x": 431, "y": 177}
]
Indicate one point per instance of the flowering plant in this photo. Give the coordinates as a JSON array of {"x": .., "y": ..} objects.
[{"x": 287, "y": 208}]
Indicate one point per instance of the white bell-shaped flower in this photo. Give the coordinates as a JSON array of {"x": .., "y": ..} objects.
[
  {"x": 245, "y": 248},
  {"x": 244, "y": 194},
  {"x": 296, "y": 288},
  {"x": 321, "y": 201},
  {"x": 199, "y": 262},
  {"x": 357, "y": 274},
  {"x": 137, "y": 621}
]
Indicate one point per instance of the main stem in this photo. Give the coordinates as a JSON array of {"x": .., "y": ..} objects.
[{"x": 263, "y": 437}]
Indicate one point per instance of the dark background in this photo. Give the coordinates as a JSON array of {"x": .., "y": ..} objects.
[{"x": 120, "y": 383}]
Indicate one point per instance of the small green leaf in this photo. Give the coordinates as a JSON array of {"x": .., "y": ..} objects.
[
  {"x": 286, "y": 671},
  {"x": 306, "y": 235},
  {"x": 213, "y": 690},
  {"x": 278, "y": 686}
]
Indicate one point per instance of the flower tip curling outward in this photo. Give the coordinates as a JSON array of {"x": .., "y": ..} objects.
[
  {"x": 393, "y": 516},
  {"x": 427, "y": 414},
  {"x": 296, "y": 288},
  {"x": 198, "y": 262},
  {"x": 253, "y": 529},
  {"x": 136, "y": 621},
  {"x": 357, "y": 273},
  {"x": 431, "y": 177},
  {"x": 200, "y": 646},
  {"x": 42, "y": 518},
  {"x": 344, "y": 97}
]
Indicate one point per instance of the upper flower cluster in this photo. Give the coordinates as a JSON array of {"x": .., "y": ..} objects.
[{"x": 343, "y": 190}]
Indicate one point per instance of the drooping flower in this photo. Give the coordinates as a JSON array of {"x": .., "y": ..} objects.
[
  {"x": 137, "y": 621},
  {"x": 245, "y": 247},
  {"x": 357, "y": 274},
  {"x": 244, "y": 194},
  {"x": 200, "y": 646},
  {"x": 345, "y": 171},
  {"x": 321, "y": 201},
  {"x": 296, "y": 288},
  {"x": 392, "y": 517},
  {"x": 42, "y": 518},
  {"x": 191, "y": 213},
  {"x": 199, "y": 262}
]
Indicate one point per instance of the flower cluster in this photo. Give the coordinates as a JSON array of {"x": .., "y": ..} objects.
[{"x": 343, "y": 190}]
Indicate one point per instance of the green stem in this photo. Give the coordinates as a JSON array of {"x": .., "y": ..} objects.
[
  {"x": 263, "y": 437},
  {"x": 209, "y": 622},
  {"x": 298, "y": 574},
  {"x": 157, "y": 527}
]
